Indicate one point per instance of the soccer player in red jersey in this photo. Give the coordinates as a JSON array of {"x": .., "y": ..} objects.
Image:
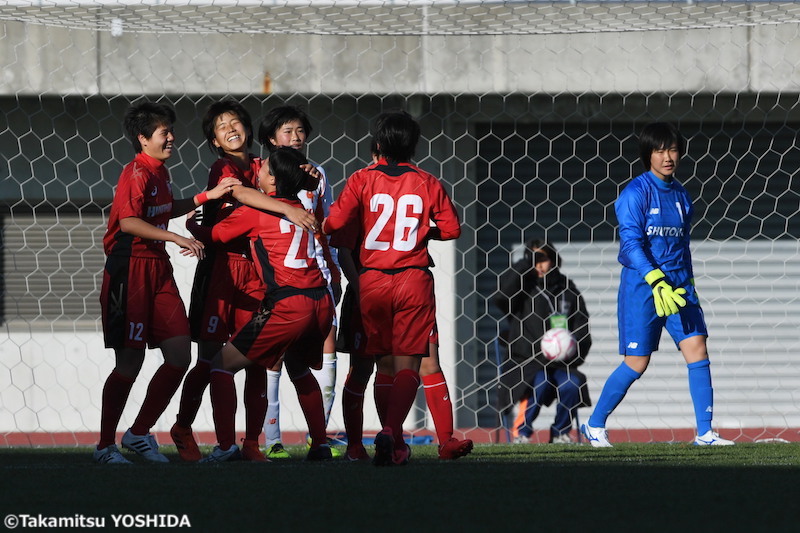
[
  {"x": 227, "y": 289},
  {"x": 352, "y": 340},
  {"x": 139, "y": 299},
  {"x": 294, "y": 317},
  {"x": 289, "y": 126},
  {"x": 394, "y": 203}
]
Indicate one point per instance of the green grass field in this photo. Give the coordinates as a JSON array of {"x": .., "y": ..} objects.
[{"x": 631, "y": 487}]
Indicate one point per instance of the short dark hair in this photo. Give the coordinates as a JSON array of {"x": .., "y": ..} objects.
[
  {"x": 396, "y": 135},
  {"x": 658, "y": 136},
  {"x": 143, "y": 119},
  {"x": 218, "y": 108},
  {"x": 534, "y": 247},
  {"x": 276, "y": 118},
  {"x": 284, "y": 163}
]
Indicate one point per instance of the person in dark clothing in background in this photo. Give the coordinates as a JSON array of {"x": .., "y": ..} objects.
[{"x": 536, "y": 297}]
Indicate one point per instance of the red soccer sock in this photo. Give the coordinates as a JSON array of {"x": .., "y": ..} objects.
[
  {"x": 404, "y": 391},
  {"x": 223, "y": 400},
  {"x": 353, "y": 410},
  {"x": 160, "y": 391},
  {"x": 310, "y": 397},
  {"x": 192, "y": 395},
  {"x": 115, "y": 395},
  {"x": 438, "y": 398},
  {"x": 255, "y": 401},
  {"x": 383, "y": 389}
]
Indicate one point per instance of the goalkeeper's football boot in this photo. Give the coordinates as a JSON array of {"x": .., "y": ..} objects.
[
  {"x": 711, "y": 438},
  {"x": 597, "y": 437},
  {"x": 455, "y": 448},
  {"x": 185, "y": 443},
  {"x": 384, "y": 448},
  {"x": 218, "y": 455},
  {"x": 145, "y": 445},
  {"x": 251, "y": 452},
  {"x": 110, "y": 455},
  {"x": 277, "y": 451}
]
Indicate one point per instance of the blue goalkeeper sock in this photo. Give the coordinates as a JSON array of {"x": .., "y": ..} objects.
[
  {"x": 702, "y": 394},
  {"x": 614, "y": 391}
]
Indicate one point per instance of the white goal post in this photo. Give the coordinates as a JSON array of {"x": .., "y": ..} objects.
[{"x": 529, "y": 114}]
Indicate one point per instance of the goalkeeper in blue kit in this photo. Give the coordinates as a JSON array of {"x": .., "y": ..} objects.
[{"x": 656, "y": 287}]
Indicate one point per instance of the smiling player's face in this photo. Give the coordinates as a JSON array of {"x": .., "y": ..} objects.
[
  {"x": 230, "y": 133},
  {"x": 664, "y": 161},
  {"x": 160, "y": 144}
]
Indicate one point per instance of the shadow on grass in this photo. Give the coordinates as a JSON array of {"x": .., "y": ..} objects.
[{"x": 656, "y": 487}]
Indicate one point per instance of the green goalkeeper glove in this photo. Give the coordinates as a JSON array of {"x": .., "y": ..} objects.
[{"x": 667, "y": 298}]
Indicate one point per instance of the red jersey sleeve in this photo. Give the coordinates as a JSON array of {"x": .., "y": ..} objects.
[
  {"x": 240, "y": 223},
  {"x": 444, "y": 213},
  {"x": 345, "y": 209},
  {"x": 130, "y": 192}
]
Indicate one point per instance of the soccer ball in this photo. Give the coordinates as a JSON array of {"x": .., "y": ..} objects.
[{"x": 558, "y": 344}]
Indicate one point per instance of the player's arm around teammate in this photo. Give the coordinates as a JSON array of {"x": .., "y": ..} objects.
[
  {"x": 288, "y": 126},
  {"x": 139, "y": 299},
  {"x": 227, "y": 289},
  {"x": 293, "y": 319}
]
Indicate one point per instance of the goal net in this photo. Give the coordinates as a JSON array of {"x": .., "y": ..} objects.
[{"x": 529, "y": 113}]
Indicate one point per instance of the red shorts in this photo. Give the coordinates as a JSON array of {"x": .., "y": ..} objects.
[
  {"x": 224, "y": 297},
  {"x": 398, "y": 310},
  {"x": 140, "y": 303},
  {"x": 350, "y": 336},
  {"x": 294, "y": 325}
]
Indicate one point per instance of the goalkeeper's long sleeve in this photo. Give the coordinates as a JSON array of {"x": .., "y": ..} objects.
[{"x": 654, "y": 223}]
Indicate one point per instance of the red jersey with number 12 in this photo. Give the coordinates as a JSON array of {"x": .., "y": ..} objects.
[
  {"x": 144, "y": 191},
  {"x": 394, "y": 204},
  {"x": 283, "y": 252}
]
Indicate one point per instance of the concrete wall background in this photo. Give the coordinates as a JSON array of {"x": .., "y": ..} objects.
[{"x": 46, "y": 59}]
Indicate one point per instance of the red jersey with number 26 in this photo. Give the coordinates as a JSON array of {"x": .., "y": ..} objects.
[
  {"x": 394, "y": 204},
  {"x": 282, "y": 251}
]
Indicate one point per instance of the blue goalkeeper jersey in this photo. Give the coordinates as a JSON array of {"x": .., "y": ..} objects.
[{"x": 654, "y": 224}]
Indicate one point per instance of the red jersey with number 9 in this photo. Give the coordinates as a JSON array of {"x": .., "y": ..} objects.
[
  {"x": 283, "y": 252},
  {"x": 394, "y": 204}
]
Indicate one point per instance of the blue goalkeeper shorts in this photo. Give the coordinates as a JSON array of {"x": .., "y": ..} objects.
[{"x": 639, "y": 326}]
